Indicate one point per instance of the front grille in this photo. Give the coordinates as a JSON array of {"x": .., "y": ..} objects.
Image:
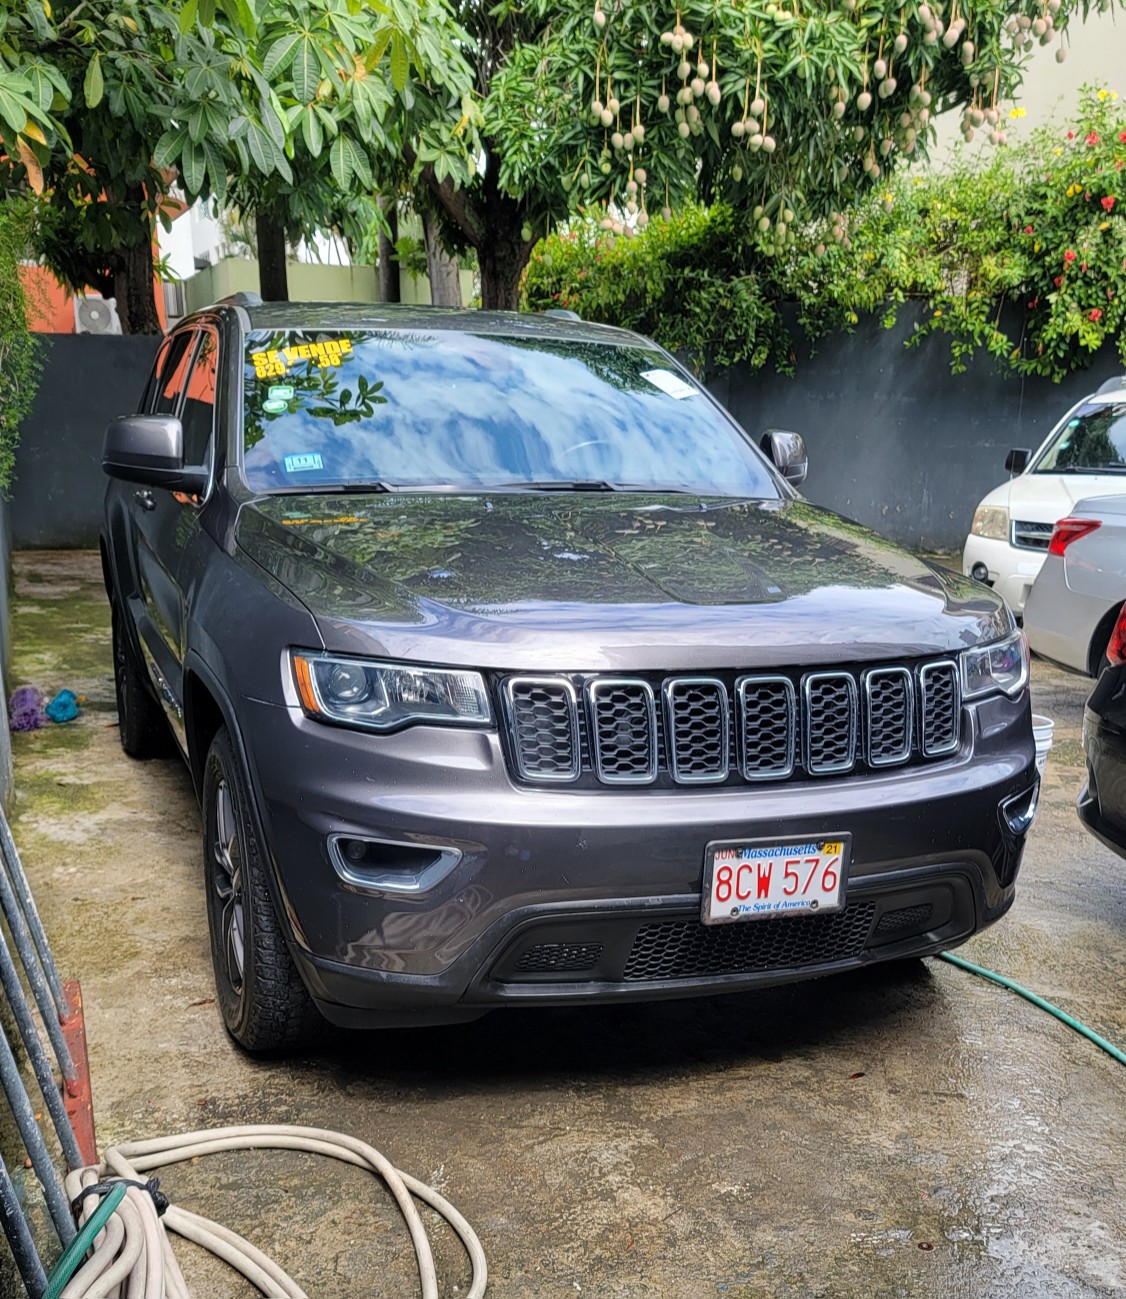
[
  {"x": 904, "y": 918},
  {"x": 941, "y": 708},
  {"x": 555, "y": 958},
  {"x": 890, "y": 698},
  {"x": 698, "y": 730},
  {"x": 1031, "y": 536},
  {"x": 623, "y": 718},
  {"x": 722, "y": 730},
  {"x": 685, "y": 949}
]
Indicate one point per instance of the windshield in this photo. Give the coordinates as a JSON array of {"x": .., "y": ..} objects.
[
  {"x": 451, "y": 409},
  {"x": 1092, "y": 441}
]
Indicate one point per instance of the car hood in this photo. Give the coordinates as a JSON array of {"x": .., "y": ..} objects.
[
  {"x": 608, "y": 582},
  {"x": 1047, "y": 498}
]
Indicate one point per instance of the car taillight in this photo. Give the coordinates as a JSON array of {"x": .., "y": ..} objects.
[
  {"x": 1116, "y": 649},
  {"x": 1069, "y": 530}
]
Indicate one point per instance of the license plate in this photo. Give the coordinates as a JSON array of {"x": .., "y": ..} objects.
[{"x": 762, "y": 878}]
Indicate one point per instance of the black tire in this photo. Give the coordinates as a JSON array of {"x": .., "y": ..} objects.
[
  {"x": 264, "y": 1004},
  {"x": 143, "y": 727}
]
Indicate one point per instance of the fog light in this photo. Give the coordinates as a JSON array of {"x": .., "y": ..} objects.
[
  {"x": 979, "y": 572},
  {"x": 1020, "y": 810}
]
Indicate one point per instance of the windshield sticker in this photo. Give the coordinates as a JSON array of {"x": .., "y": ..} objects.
[
  {"x": 302, "y": 464},
  {"x": 280, "y": 392},
  {"x": 669, "y": 383},
  {"x": 275, "y": 363}
]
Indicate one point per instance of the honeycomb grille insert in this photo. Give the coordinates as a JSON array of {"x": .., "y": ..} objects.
[
  {"x": 941, "y": 708},
  {"x": 559, "y": 958},
  {"x": 698, "y": 730},
  {"x": 905, "y": 918},
  {"x": 543, "y": 723},
  {"x": 830, "y": 735},
  {"x": 623, "y": 718},
  {"x": 685, "y": 949},
  {"x": 890, "y": 701},
  {"x": 767, "y": 711}
]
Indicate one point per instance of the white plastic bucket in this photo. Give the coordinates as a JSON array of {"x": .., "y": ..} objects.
[{"x": 1042, "y": 728}]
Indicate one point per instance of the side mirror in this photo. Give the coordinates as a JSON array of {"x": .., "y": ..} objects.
[
  {"x": 149, "y": 449},
  {"x": 1016, "y": 462},
  {"x": 786, "y": 451}
]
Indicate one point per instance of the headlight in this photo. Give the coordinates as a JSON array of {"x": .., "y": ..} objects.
[
  {"x": 382, "y": 696},
  {"x": 991, "y": 521},
  {"x": 1002, "y": 666}
]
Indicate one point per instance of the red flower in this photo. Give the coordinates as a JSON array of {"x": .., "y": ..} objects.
[
  {"x": 1058, "y": 281},
  {"x": 1034, "y": 303},
  {"x": 1027, "y": 230},
  {"x": 1069, "y": 256},
  {"x": 1071, "y": 135},
  {"x": 1122, "y": 136},
  {"x": 1094, "y": 314},
  {"x": 1092, "y": 139},
  {"x": 1108, "y": 202}
]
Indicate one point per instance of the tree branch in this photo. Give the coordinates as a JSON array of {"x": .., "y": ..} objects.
[{"x": 457, "y": 203}]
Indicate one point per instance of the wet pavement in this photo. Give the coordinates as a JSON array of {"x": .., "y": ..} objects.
[{"x": 908, "y": 1131}]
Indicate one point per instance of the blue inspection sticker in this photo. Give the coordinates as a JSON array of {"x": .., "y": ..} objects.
[{"x": 302, "y": 464}]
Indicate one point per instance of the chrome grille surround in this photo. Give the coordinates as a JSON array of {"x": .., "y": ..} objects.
[
  {"x": 830, "y": 729},
  {"x": 771, "y": 753},
  {"x": 543, "y": 727},
  {"x": 1026, "y": 535},
  {"x": 940, "y": 708},
  {"x": 623, "y": 724},
  {"x": 698, "y": 730},
  {"x": 889, "y": 716}
]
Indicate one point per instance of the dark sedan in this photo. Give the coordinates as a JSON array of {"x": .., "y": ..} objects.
[
  {"x": 510, "y": 670},
  {"x": 1102, "y": 800}
]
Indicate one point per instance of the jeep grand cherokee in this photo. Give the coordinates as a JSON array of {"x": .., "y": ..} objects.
[{"x": 509, "y": 669}]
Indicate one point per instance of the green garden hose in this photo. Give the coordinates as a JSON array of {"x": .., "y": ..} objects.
[
  {"x": 1114, "y": 1052},
  {"x": 66, "y": 1267}
]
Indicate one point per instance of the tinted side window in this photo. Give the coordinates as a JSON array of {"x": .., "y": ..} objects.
[
  {"x": 198, "y": 415},
  {"x": 154, "y": 378},
  {"x": 173, "y": 373}
]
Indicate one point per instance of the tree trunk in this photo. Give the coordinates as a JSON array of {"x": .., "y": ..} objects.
[
  {"x": 502, "y": 263},
  {"x": 390, "y": 288},
  {"x": 273, "y": 282},
  {"x": 134, "y": 290},
  {"x": 445, "y": 281}
]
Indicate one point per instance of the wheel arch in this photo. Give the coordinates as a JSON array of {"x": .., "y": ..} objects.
[{"x": 1099, "y": 639}]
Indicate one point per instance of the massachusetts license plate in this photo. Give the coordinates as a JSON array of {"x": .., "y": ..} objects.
[{"x": 761, "y": 878}]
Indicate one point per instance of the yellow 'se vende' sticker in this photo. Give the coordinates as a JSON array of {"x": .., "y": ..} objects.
[{"x": 276, "y": 362}]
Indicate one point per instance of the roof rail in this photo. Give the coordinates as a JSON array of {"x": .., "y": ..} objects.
[
  {"x": 241, "y": 299},
  {"x": 562, "y": 313},
  {"x": 1113, "y": 385}
]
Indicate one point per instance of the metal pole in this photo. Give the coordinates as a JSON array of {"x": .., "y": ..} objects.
[
  {"x": 19, "y": 1237},
  {"x": 53, "y": 1193},
  {"x": 10, "y": 980},
  {"x": 43, "y": 999},
  {"x": 23, "y": 892}
]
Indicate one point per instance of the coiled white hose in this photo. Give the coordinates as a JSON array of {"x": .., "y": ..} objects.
[{"x": 132, "y": 1257}]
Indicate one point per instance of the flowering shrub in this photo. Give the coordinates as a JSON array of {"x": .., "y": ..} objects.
[
  {"x": 19, "y": 367},
  {"x": 1022, "y": 255}
]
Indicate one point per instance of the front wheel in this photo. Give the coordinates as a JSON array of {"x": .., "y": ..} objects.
[{"x": 264, "y": 1004}]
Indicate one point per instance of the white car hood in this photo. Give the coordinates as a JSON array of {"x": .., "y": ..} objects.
[{"x": 1047, "y": 498}]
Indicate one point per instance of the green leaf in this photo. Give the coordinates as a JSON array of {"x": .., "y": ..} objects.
[
  {"x": 12, "y": 112},
  {"x": 168, "y": 147},
  {"x": 340, "y": 160},
  {"x": 306, "y": 70},
  {"x": 400, "y": 62},
  {"x": 280, "y": 55},
  {"x": 192, "y": 168},
  {"x": 93, "y": 86},
  {"x": 206, "y": 12},
  {"x": 311, "y": 130},
  {"x": 188, "y": 16}
]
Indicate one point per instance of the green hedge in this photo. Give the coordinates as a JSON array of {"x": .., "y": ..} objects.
[
  {"x": 1021, "y": 254},
  {"x": 19, "y": 363}
]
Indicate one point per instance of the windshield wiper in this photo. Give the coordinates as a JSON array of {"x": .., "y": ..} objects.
[
  {"x": 373, "y": 488},
  {"x": 1093, "y": 469}
]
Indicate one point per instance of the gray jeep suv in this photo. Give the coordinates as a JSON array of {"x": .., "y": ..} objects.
[{"x": 510, "y": 670}]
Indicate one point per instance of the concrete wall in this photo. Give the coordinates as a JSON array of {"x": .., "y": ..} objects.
[
  {"x": 56, "y": 495},
  {"x": 895, "y": 440}
]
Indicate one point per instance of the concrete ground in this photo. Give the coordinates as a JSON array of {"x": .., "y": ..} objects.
[{"x": 904, "y": 1132}]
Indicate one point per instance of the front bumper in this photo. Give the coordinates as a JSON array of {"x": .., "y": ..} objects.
[
  {"x": 569, "y": 895},
  {"x": 1011, "y": 571}
]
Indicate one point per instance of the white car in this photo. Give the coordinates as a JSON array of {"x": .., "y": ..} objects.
[{"x": 1084, "y": 455}]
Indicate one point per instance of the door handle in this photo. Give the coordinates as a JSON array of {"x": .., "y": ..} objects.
[{"x": 145, "y": 499}]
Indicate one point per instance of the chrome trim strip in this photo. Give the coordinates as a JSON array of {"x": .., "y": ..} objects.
[
  {"x": 412, "y": 883},
  {"x": 771, "y": 773},
  {"x": 563, "y": 686},
  {"x": 929, "y": 750},
  {"x": 668, "y": 690},
  {"x": 593, "y": 690},
  {"x": 831, "y": 768},
  {"x": 867, "y": 678}
]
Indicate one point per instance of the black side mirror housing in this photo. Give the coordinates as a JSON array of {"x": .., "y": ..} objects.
[
  {"x": 1016, "y": 462},
  {"x": 786, "y": 452},
  {"x": 149, "y": 449}
]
